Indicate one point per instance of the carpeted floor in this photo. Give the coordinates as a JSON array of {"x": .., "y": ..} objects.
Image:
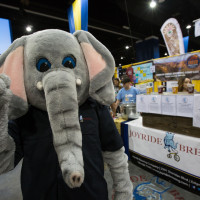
[{"x": 145, "y": 185}]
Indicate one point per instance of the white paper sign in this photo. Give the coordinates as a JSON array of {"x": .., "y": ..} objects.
[
  {"x": 185, "y": 105},
  {"x": 142, "y": 103},
  {"x": 168, "y": 105},
  {"x": 196, "y": 116},
  {"x": 197, "y": 28},
  {"x": 170, "y": 84},
  {"x": 142, "y": 88},
  {"x": 154, "y": 102},
  {"x": 152, "y": 69}
]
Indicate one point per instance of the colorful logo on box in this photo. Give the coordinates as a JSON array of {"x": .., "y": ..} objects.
[{"x": 193, "y": 61}]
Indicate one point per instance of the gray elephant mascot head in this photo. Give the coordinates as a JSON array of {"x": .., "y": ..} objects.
[{"x": 56, "y": 71}]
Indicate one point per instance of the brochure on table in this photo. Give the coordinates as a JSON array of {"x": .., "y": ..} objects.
[
  {"x": 142, "y": 102},
  {"x": 185, "y": 105},
  {"x": 169, "y": 105},
  {"x": 175, "y": 105},
  {"x": 154, "y": 103}
]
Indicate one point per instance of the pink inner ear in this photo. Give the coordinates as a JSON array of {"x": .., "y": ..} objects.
[
  {"x": 94, "y": 60},
  {"x": 13, "y": 67}
]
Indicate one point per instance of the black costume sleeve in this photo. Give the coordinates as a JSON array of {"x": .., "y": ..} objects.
[
  {"x": 109, "y": 136},
  {"x": 14, "y": 132}
]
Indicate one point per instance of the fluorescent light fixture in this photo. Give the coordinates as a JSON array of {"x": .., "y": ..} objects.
[
  {"x": 127, "y": 47},
  {"x": 152, "y": 4},
  {"x": 188, "y": 26},
  {"x": 29, "y": 28}
]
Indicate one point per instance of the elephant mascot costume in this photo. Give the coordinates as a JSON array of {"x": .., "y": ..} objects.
[{"x": 54, "y": 88}]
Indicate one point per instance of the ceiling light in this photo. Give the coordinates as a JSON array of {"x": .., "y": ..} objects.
[
  {"x": 165, "y": 54},
  {"x": 122, "y": 58},
  {"x": 126, "y": 27},
  {"x": 188, "y": 26},
  {"x": 127, "y": 47},
  {"x": 152, "y": 4},
  {"x": 29, "y": 28}
]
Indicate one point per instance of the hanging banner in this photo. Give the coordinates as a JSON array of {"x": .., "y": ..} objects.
[
  {"x": 197, "y": 28},
  {"x": 142, "y": 73},
  {"x": 78, "y": 15},
  {"x": 177, "y": 66},
  {"x": 129, "y": 73},
  {"x": 173, "y": 37}
]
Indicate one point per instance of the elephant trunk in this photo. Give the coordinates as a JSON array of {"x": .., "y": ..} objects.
[{"x": 62, "y": 107}]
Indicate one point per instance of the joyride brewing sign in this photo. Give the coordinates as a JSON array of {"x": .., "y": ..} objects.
[{"x": 172, "y": 156}]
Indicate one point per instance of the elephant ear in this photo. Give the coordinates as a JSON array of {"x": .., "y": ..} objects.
[
  {"x": 11, "y": 64},
  {"x": 101, "y": 66}
]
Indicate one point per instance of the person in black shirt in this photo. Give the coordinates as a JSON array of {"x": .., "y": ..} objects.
[{"x": 34, "y": 143}]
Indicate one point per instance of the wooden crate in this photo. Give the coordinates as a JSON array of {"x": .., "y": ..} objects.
[{"x": 182, "y": 125}]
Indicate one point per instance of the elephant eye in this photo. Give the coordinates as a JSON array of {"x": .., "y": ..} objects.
[
  {"x": 43, "y": 65},
  {"x": 69, "y": 62}
]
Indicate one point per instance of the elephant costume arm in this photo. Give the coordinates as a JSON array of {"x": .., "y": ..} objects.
[
  {"x": 117, "y": 162},
  {"x": 7, "y": 145},
  {"x": 114, "y": 156}
]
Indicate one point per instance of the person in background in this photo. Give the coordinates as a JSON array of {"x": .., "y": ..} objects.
[
  {"x": 117, "y": 86},
  {"x": 126, "y": 95},
  {"x": 182, "y": 84}
]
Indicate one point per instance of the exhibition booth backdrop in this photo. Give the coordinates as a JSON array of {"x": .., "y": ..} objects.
[
  {"x": 165, "y": 71},
  {"x": 168, "y": 148}
]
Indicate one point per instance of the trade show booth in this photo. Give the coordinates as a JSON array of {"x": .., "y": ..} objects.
[{"x": 165, "y": 139}]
